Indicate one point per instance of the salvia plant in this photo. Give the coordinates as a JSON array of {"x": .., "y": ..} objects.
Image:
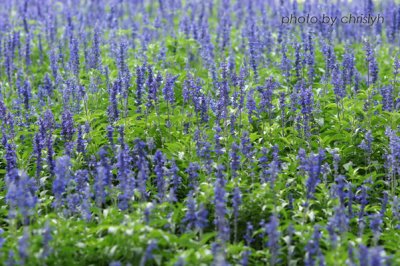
[{"x": 185, "y": 132}]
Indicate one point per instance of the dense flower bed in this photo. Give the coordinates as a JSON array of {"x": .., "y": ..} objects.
[{"x": 184, "y": 132}]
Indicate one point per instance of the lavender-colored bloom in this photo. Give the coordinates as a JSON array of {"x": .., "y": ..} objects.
[
  {"x": 246, "y": 146},
  {"x": 273, "y": 238},
  {"x": 337, "y": 82},
  {"x": 148, "y": 255},
  {"x": 248, "y": 237},
  {"x": 152, "y": 87},
  {"x": 99, "y": 186},
  {"x": 298, "y": 62},
  {"x": 124, "y": 175},
  {"x": 63, "y": 175},
  {"x": 309, "y": 57},
  {"x": 225, "y": 24},
  {"x": 223, "y": 92},
  {"x": 306, "y": 100},
  {"x": 193, "y": 174},
  {"x": 236, "y": 202},
  {"x": 28, "y": 60},
  {"x": 312, "y": 165},
  {"x": 26, "y": 94},
  {"x": 11, "y": 157},
  {"x": 168, "y": 90},
  {"x": 2, "y": 240},
  {"x": 273, "y": 167},
  {"x": 286, "y": 64},
  {"x": 9, "y": 57},
  {"x": 204, "y": 107},
  {"x": 369, "y": 7},
  {"x": 366, "y": 144},
  {"x": 187, "y": 88},
  {"x": 330, "y": 58},
  {"x": 302, "y": 158},
  {"x": 219, "y": 254},
  {"x": 67, "y": 126},
  {"x": 149, "y": 84},
  {"x": 11, "y": 259},
  {"x": 364, "y": 201},
  {"x": 245, "y": 258},
  {"x": 220, "y": 206},
  {"x": 384, "y": 203},
  {"x": 202, "y": 217},
  {"x": 374, "y": 70},
  {"x": 282, "y": 105},
  {"x": 336, "y": 161},
  {"x": 357, "y": 80},
  {"x": 392, "y": 156},
  {"x": 48, "y": 85},
  {"x": 253, "y": 47},
  {"x": 363, "y": 255},
  {"x": 3, "y": 108},
  {"x": 251, "y": 105},
  {"x": 377, "y": 256},
  {"x": 21, "y": 195},
  {"x": 235, "y": 159},
  {"x": 38, "y": 148},
  {"x": 313, "y": 250},
  {"x": 156, "y": 87},
  {"x": 74, "y": 56},
  {"x": 196, "y": 217},
  {"x": 266, "y": 94},
  {"x": 96, "y": 53},
  {"x": 376, "y": 224},
  {"x": 396, "y": 66},
  {"x": 387, "y": 98},
  {"x": 159, "y": 162},
  {"x": 263, "y": 231},
  {"x": 81, "y": 180},
  {"x": 54, "y": 64},
  {"x": 337, "y": 224},
  {"x": 121, "y": 56},
  {"x": 348, "y": 68},
  {"x": 204, "y": 152},
  {"x": 147, "y": 213},
  {"x": 110, "y": 135},
  {"x": 340, "y": 189},
  {"x": 372, "y": 64},
  {"x": 175, "y": 180},
  {"x": 49, "y": 122},
  {"x": 85, "y": 210}
]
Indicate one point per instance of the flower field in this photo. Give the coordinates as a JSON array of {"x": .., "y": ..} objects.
[{"x": 188, "y": 132}]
